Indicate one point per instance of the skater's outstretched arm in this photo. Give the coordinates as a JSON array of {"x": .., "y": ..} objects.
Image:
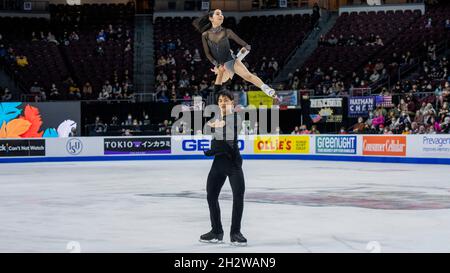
[
  {"x": 206, "y": 49},
  {"x": 238, "y": 40}
]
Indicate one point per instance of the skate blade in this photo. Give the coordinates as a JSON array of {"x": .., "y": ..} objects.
[
  {"x": 214, "y": 241},
  {"x": 238, "y": 244}
]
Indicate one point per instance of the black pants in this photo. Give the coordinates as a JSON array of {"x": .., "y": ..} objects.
[{"x": 222, "y": 168}]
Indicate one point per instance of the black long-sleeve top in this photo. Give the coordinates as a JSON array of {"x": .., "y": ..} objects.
[
  {"x": 225, "y": 139},
  {"x": 216, "y": 45}
]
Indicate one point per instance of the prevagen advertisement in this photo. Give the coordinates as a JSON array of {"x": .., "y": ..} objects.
[
  {"x": 336, "y": 145},
  {"x": 429, "y": 146}
]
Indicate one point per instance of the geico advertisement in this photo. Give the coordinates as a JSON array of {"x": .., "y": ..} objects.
[
  {"x": 281, "y": 145},
  {"x": 196, "y": 145}
]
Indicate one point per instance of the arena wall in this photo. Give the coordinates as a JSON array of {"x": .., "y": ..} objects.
[{"x": 427, "y": 149}]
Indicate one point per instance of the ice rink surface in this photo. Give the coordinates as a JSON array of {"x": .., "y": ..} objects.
[{"x": 160, "y": 206}]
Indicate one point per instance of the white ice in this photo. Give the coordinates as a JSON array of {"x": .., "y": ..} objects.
[{"x": 160, "y": 206}]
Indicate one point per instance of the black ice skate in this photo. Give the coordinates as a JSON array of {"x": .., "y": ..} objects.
[
  {"x": 238, "y": 239},
  {"x": 211, "y": 237}
]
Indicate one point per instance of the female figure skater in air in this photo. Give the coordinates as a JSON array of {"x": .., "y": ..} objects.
[
  {"x": 227, "y": 163},
  {"x": 216, "y": 45}
]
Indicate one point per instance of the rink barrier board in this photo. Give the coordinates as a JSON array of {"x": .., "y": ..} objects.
[
  {"x": 427, "y": 149},
  {"x": 408, "y": 160}
]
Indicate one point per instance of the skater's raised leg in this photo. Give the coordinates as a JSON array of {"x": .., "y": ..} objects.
[{"x": 243, "y": 72}]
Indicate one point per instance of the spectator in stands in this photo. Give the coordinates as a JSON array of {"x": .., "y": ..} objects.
[
  {"x": 358, "y": 128},
  {"x": 187, "y": 97},
  {"x": 128, "y": 93},
  {"x": 99, "y": 50},
  {"x": 314, "y": 130},
  {"x": 74, "y": 36},
  {"x": 111, "y": 33},
  {"x": 428, "y": 113},
  {"x": 304, "y": 130},
  {"x": 74, "y": 92},
  {"x": 351, "y": 41},
  {"x": 378, "y": 119},
  {"x": 119, "y": 33},
  {"x": 273, "y": 64},
  {"x": 341, "y": 40},
  {"x": 146, "y": 120},
  {"x": 197, "y": 57},
  {"x": 161, "y": 62},
  {"x": 184, "y": 82},
  {"x": 7, "y": 96},
  {"x": 22, "y": 61},
  {"x": 128, "y": 121},
  {"x": 445, "y": 126},
  {"x": 34, "y": 37},
  {"x": 422, "y": 130},
  {"x": 114, "y": 121},
  {"x": 101, "y": 37},
  {"x": 162, "y": 77},
  {"x": 322, "y": 41},
  {"x": 127, "y": 48},
  {"x": 87, "y": 91},
  {"x": 406, "y": 131},
  {"x": 428, "y": 23},
  {"x": 99, "y": 126},
  {"x": 136, "y": 123},
  {"x": 104, "y": 94},
  {"x": 37, "y": 91},
  {"x": 375, "y": 76},
  {"x": 371, "y": 40},
  {"x": 162, "y": 87},
  {"x": 117, "y": 91},
  {"x": 360, "y": 41},
  {"x": 418, "y": 118},
  {"x": 414, "y": 128},
  {"x": 386, "y": 131},
  {"x": 171, "y": 60},
  {"x": 54, "y": 93},
  {"x": 443, "y": 111},
  {"x": 171, "y": 45},
  {"x": 126, "y": 132},
  {"x": 163, "y": 127},
  {"x": 404, "y": 120},
  {"x": 342, "y": 131},
  {"x": 3, "y": 52},
  {"x": 332, "y": 41},
  {"x": 52, "y": 39},
  {"x": 432, "y": 49},
  {"x": 108, "y": 87}
]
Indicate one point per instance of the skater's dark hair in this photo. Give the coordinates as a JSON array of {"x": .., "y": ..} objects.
[
  {"x": 202, "y": 24},
  {"x": 225, "y": 93}
]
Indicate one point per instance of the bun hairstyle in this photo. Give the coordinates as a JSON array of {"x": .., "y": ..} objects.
[{"x": 202, "y": 24}]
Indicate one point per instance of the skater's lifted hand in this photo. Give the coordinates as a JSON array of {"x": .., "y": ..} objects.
[{"x": 245, "y": 49}]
